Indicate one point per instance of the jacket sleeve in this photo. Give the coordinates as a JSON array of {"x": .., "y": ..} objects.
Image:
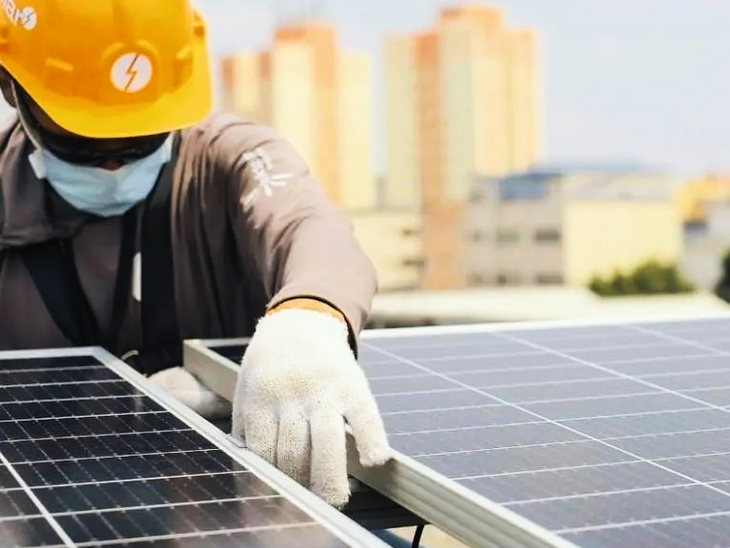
[{"x": 299, "y": 243}]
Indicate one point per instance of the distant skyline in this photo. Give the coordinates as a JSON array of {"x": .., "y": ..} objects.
[{"x": 627, "y": 81}]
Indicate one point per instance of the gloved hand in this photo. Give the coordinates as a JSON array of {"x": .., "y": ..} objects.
[
  {"x": 183, "y": 386},
  {"x": 298, "y": 384}
]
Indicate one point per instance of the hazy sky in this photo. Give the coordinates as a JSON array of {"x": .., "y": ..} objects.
[{"x": 644, "y": 80}]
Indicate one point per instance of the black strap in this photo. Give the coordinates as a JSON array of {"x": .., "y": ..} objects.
[
  {"x": 58, "y": 285},
  {"x": 161, "y": 344},
  {"x": 52, "y": 267}
]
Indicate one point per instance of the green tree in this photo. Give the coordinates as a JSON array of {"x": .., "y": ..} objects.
[
  {"x": 722, "y": 288},
  {"x": 600, "y": 286},
  {"x": 623, "y": 284},
  {"x": 650, "y": 278}
]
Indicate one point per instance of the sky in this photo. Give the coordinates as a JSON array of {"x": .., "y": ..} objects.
[{"x": 625, "y": 80}]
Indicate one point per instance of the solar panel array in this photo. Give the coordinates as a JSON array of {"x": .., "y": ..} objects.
[
  {"x": 87, "y": 459},
  {"x": 608, "y": 436}
]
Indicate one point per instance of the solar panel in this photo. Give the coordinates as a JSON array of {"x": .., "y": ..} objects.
[
  {"x": 90, "y": 455},
  {"x": 599, "y": 435}
]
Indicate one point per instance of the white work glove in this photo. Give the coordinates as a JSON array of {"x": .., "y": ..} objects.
[
  {"x": 183, "y": 386},
  {"x": 298, "y": 384}
]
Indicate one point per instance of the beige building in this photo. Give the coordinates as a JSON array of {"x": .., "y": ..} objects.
[
  {"x": 564, "y": 228},
  {"x": 392, "y": 240},
  {"x": 463, "y": 100},
  {"x": 319, "y": 97}
]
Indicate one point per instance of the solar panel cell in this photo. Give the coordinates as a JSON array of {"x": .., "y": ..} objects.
[
  {"x": 123, "y": 468},
  {"x": 116, "y": 466},
  {"x": 29, "y": 532},
  {"x": 566, "y": 482},
  {"x": 16, "y": 503},
  {"x": 608, "y": 436}
]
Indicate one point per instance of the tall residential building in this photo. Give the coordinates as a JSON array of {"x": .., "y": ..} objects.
[
  {"x": 464, "y": 99},
  {"x": 316, "y": 95}
]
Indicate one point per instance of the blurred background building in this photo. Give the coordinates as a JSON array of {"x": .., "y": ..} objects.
[
  {"x": 464, "y": 99},
  {"x": 319, "y": 97},
  {"x": 705, "y": 206},
  {"x": 567, "y": 227},
  {"x": 464, "y": 213}
]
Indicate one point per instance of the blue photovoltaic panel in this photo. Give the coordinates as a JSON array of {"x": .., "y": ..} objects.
[
  {"x": 86, "y": 459},
  {"x": 609, "y": 436}
]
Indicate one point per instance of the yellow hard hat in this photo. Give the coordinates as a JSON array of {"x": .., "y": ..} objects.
[{"x": 109, "y": 68}]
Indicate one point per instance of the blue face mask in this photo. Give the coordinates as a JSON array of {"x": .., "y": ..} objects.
[{"x": 100, "y": 191}]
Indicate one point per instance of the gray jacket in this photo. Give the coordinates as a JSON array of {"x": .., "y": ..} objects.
[{"x": 251, "y": 228}]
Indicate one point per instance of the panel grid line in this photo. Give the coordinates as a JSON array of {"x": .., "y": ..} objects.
[
  {"x": 63, "y": 383},
  {"x": 116, "y": 509},
  {"x": 79, "y": 399},
  {"x": 527, "y": 369},
  {"x": 642, "y": 522},
  {"x": 51, "y": 486},
  {"x": 679, "y": 340},
  {"x": 200, "y": 534},
  {"x": 97, "y": 436},
  {"x": 43, "y": 510},
  {"x": 551, "y": 421},
  {"x": 600, "y": 465},
  {"x": 558, "y": 443},
  {"x": 72, "y": 417},
  {"x": 576, "y": 399},
  {"x": 666, "y": 375},
  {"x": 606, "y": 369},
  {"x": 538, "y": 421},
  {"x": 53, "y": 369},
  {"x": 107, "y": 457},
  {"x": 537, "y": 346},
  {"x": 524, "y": 502}
]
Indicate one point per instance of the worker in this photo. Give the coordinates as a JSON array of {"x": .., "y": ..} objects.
[{"x": 132, "y": 217}]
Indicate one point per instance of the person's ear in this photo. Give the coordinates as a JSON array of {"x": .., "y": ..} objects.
[{"x": 6, "y": 86}]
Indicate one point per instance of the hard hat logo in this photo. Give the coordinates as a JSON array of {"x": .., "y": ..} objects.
[
  {"x": 28, "y": 18},
  {"x": 132, "y": 72},
  {"x": 25, "y": 16}
]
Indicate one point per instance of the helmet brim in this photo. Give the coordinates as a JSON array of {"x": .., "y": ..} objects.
[{"x": 186, "y": 106}]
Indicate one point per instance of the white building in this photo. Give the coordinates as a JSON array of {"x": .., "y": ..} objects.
[
  {"x": 564, "y": 227},
  {"x": 705, "y": 245}
]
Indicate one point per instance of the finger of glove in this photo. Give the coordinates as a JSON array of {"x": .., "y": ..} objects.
[
  {"x": 368, "y": 429},
  {"x": 260, "y": 433},
  {"x": 329, "y": 459},
  {"x": 293, "y": 447},
  {"x": 211, "y": 406}
]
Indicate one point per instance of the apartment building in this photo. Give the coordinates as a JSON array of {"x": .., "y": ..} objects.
[{"x": 563, "y": 227}]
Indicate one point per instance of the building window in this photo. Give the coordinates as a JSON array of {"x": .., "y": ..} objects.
[
  {"x": 549, "y": 279},
  {"x": 547, "y": 235},
  {"x": 508, "y": 278},
  {"x": 410, "y": 232},
  {"x": 414, "y": 263},
  {"x": 478, "y": 236},
  {"x": 508, "y": 237}
]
